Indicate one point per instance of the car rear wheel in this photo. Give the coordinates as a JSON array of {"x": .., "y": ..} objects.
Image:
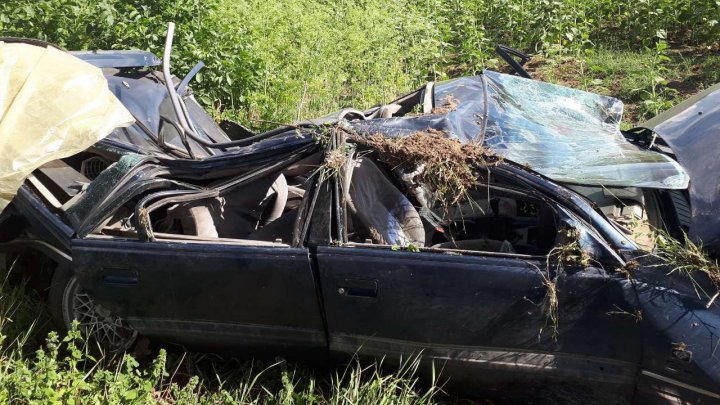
[{"x": 69, "y": 303}]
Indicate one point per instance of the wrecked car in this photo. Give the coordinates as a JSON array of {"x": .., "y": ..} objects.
[{"x": 487, "y": 223}]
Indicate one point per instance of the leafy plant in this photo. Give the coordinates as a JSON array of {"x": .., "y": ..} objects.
[
  {"x": 284, "y": 60},
  {"x": 659, "y": 97},
  {"x": 63, "y": 371}
]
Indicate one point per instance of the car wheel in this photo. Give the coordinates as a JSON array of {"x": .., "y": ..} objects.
[{"x": 68, "y": 303}]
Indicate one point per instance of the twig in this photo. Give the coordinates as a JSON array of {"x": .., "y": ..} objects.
[{"x": 712, "y": 299}]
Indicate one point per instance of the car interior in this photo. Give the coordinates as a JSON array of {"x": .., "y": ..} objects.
[
  {"x": 493, "y": 218},
  {"x": 381, "y": 210},
  {"x": 262, "y": 210}
]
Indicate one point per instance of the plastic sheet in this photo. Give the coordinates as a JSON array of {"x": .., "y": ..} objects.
[{"x": 52, "y": 105}]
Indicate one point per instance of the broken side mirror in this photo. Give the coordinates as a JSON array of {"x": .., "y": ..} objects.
[{"x": 508, "y": 55}]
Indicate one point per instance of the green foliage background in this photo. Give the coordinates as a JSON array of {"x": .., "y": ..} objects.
[{"x": 283, "y": 60}]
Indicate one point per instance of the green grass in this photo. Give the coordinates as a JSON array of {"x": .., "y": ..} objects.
[
  {"x": 39, "y": 366},
  {"x": 634, "y": 76},
  {"x": 283, "y": 60}
]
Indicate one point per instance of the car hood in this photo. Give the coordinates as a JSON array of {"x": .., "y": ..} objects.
[
  {"x": 692, "y": 130},
  {"x": 568, "y": 135}
]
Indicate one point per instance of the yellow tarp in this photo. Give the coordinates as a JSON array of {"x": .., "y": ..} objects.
[{"x": 52, "y": 105}]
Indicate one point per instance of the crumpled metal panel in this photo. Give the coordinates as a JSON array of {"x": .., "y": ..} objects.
[
  {"x": 52, "y": 105},
  {"x": 149, "y": 104},
  {"x": 118, "y": 59},
  {"x": 460, "y": 106},
  {"x": 98, "y": 191},
  {"x": 568, "y": 135},
  {"x": 692, "y": 130}
]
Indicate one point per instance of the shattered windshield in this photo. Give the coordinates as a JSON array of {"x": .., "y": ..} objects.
[{"x": 568, "y": 135}]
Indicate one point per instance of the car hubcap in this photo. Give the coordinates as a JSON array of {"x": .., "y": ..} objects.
[{"x": 96, "y": 322}]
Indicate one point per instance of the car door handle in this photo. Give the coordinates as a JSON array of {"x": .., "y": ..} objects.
[
  {"x": 121, "y": 280},
  {"x": 114, "y": 276},
  {"x": 355, "y": 287}
]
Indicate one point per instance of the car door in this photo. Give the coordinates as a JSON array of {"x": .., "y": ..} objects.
[
  {"x": 187, "y": 282},
  {"x": 206, "y": 294},
  {"x": 398, "y": 301},
  {"x": 473, "y": 313},
  {"x": 483, "y": 317}
]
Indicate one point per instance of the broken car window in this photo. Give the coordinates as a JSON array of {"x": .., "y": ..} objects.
[{"x": 487, "y": 219}]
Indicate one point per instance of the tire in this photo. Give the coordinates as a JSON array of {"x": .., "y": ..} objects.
[
  {"x": 68, "y": 303},
  {"x": 682, "y": 209}
]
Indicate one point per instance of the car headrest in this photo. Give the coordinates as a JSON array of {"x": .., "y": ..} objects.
[
  {"x": 279, "y": 188},
  {"x": 504, "y": 207}
]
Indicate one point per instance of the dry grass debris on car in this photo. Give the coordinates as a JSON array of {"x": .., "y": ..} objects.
[
  {"x": 688, "y": 258},
  {"x": 569, "y": 254},
  {"x": 335, "y": 159},
  {"x": 448, "y": 166},
  {"x": 550, "y": 304}
]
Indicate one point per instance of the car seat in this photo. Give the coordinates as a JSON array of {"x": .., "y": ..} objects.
[{"x": 378, "y": 209}]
